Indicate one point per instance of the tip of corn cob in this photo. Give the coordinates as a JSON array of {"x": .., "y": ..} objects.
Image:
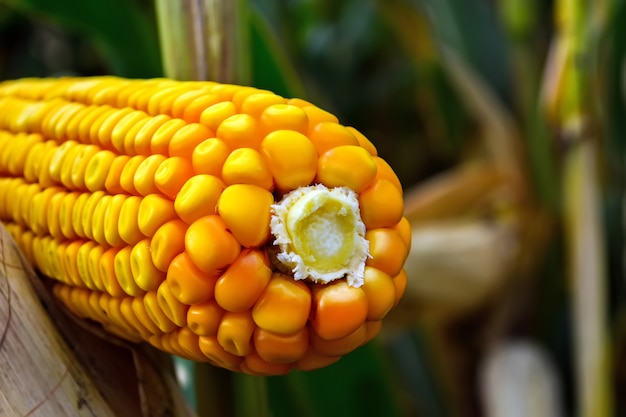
[{"x": 320, "y": 234}]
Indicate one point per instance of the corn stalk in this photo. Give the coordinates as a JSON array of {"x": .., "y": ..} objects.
[{"x": 568, "y": 96}]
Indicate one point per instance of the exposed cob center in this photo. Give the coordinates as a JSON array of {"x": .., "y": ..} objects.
[{"x": 320, "y": 234}]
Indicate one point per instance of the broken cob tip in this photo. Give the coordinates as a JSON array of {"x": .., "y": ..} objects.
[{"x": 320, "y": 234}]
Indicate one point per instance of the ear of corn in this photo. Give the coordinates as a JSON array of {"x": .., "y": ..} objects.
[{"x": 217, "y": 222}]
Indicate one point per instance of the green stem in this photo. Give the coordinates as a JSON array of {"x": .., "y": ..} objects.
[
  {"x": 250, "y": 396},
  {"x": 204, "y": 39},
  {"x": 579, "y": 22}
]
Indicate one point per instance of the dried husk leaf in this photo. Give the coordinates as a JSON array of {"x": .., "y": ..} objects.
[{"x": 54, "y": 365}]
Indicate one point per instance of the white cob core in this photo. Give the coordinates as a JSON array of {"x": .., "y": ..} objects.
[{"x": 320, "y": 234}]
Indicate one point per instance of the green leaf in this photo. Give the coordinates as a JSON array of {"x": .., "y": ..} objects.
[
  {"x": 358, "y": 385},
  {"x": 124, "y": 33},
  {"x": 271, "y": 67}
]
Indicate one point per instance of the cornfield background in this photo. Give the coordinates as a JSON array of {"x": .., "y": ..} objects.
[{"x": 505, "y": 121}]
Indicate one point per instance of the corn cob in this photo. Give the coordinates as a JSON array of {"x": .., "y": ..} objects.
[{"x": 219, "y": 223}]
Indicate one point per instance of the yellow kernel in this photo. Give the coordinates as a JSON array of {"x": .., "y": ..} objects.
[
  {"x": 112, "y": 183},
  {"x": 226, "y": 92},
  {"x": 94, "y": 128},
  {"x": 155, "y": 103},
  {"x": 77, "y": 214},
  {"x": 84, "y": 125},
  {"x": 32, "y": 165},
  {"x": 338, "y": 310},
  {"x": 328, "y": 135},
  {"x": 239, "y": 131},
  {"x": 204, "y": 319},
  {"x": 121, "y": 129},
  {"x": 243, "y": 93},
  {"x": 126, "y": 310},
  {"x": 385, "y": 172},
  {"x": 255, "y": 104},
  {"x": 56, "y": 163},
  {"x": 139, "y": 309},
  {"x": 279, "y": 348},
  {"x": 387, "y": 250},
  {"x": 372, "y": 328},
  {"x": 97, "y": 219},
  {"x": 245, "y": 209},
  {"x": 215, "y": 114},
  {"x": 66, "y": 214},
  {"x": 93, "y": 266},
  {"x": 96, "y": 304},
  {"x": 400, "y": 282},
  {"x": 146, "y": 275},
  {"x": 115, "y": 313},
  {"x": 111, "y": 219},
  {"x": 183, "y": 100},
  {"x": 127, "y": 176},
  {"x": 128, "y": 223},
  {"x": 317, "y": 116},
  {"x": 284, "y": 117},
  {"x": 210, "y": 245},
  {"x": 168, "y": 241},
  {"x": 124, "y": 274},
  {"x": 189, "y": 343},
  {"x": 171, "y": 307},
  {"x": 381, "y": 205},
  {"x": 253, "y": 364},
  {"x": 105, "y": 133},
  {"x": 194, "y": 110},
  {"x": 154, "y": 211},
  {"x": 22, "y": 147},
  {"x": 156, "y": 314},
  {"x": 364, "y": 142},
  {"x": 380, "y": 292},
  {"x": 131, "y": 136},
  {"x": 82, "y": 263},
  {"x": 340, "y": 346},
  {"x": 403, "y": 227},
  {"x": 172, "y": 175},
  {"x": 143, "y": 139},
  {"x": 242, "y": 283},
  {"x": 70, "y": 262},
  {"x": 187, "y": 283},
  {"x": 209, "y": 156},
  {"x": 349, "y": 166},
  {"x": 216, "y": 353},
  {"x": 143, "y": 181},
  {"x": 284, "y": 305},
  {"x": 87, "y": 213},
  {"x": 247, "y": 166},
  {"x": 107, "y": 273},
  {"x": 198, "y": 197},
  {"x": 187, "y": 138},
  {"x": 44, "y": 179},
  {"x": 161, "y": 139},
  {"x": 39, "y": 209},
  {"x": 98, "y": 169},
  {"x": 80, "y": 164},
  {"x": 292, "y": 158},
  {"x": 234, "y": 333}
]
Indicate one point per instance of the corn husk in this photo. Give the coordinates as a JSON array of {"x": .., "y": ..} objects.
[{"x": 51, "y": 365}]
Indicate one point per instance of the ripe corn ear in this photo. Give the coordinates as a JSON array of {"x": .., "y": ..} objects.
[{"x": 217, "y": 222}]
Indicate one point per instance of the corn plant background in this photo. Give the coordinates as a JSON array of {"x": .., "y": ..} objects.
[{"x": 436, "y": 85}]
